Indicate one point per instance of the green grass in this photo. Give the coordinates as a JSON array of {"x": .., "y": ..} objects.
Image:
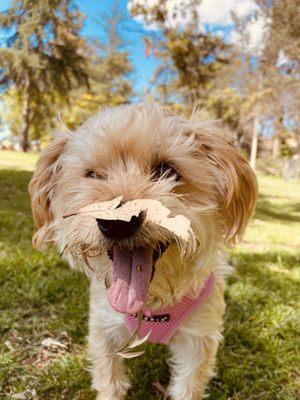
[
  {"x": 16, "y": 160},
  {"x": 42, "y": 297}
]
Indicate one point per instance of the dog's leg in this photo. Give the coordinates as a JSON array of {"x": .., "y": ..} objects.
[
  {"x": 192, "y": 364},
  {"x": 108, "y": 373},
  {"x": 107, "y": 333}
]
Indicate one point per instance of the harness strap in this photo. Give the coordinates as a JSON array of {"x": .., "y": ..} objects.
[{"x": 164, "y": 322}]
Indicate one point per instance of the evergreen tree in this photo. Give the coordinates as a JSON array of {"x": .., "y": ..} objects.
[
  {"x": 113, "y": 66},
  {"x": 43, "y": 52},
  {"x": 110, "y": 82}
]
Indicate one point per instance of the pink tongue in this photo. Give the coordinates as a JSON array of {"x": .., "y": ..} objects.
[{"x": 131, "y": 276}]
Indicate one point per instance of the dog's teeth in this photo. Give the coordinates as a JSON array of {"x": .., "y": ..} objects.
[{"x": 151, "y": 319}]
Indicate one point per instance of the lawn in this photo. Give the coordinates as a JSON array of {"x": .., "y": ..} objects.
[
  {"x": 15, "y": 160},
  {"x": 44, "y": 304}
]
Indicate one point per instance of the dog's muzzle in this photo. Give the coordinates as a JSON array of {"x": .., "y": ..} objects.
[{"x": 116, "y": 229}]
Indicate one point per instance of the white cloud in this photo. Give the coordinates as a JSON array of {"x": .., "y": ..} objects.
[
  {"x": 218, "y": 12},
  {"x": 254, "y": 35},
  {"x": 210, "y": 11}
]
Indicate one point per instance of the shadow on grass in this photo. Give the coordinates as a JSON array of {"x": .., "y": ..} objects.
[
  {"x": 259, "y": 355},
  {"x": 267, "y": 211},
  {"x": 14, "y": 182},
  {"x": 266, "y": 278},
  {"x": 15, "y": 211}
]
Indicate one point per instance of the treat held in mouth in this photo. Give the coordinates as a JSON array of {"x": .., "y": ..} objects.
[{"x": 132, "y": 270}]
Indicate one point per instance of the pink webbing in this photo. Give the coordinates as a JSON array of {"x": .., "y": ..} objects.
[{"x": 162, "y": 331}]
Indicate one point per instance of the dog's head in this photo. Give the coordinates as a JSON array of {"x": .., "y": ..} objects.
[{"x": 141, "y": 152}]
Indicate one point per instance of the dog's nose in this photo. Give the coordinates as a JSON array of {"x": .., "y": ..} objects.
[{"x": 115, "y": 229}]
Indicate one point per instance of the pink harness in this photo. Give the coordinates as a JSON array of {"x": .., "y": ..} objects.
[{"x": 164, "y": 322}]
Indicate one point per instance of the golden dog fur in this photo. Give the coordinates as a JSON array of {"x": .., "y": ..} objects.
[{"x": 115, "y": 153}]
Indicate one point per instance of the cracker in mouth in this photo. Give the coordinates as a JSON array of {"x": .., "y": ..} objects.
[{"x": 134, "y": 269}]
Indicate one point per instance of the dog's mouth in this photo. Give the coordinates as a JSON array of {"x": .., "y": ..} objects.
[{"x": 132, "y": 273}]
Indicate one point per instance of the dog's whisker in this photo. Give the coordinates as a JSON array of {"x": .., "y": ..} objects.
[
  {"x": 107, "y": 285},
  {"x": 86, "y": 261},
  {"x": 63, "y": 250}
]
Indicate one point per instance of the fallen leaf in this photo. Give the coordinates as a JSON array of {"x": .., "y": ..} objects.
[
  {"x": 53, "y": 344},
  {"x": 153, "y": 210},
  {"x": 19, "y": 396}
]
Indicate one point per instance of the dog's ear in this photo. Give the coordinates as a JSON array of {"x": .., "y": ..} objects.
[
  {"x": 236, "y": 182},
  {"x": 41, "y": 189}
]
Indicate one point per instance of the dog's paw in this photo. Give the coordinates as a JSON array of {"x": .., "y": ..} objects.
[{"x": 104, "y": 395}]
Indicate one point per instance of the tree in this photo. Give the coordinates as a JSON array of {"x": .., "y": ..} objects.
[
  {"x": 191, "y": 58},
  {"x": 42, "y": 119},
  {"x": 110, "y": 84},
  {"x": 43, "y": 53},
  {"x": 255, "y": 94},
  {"x": 284, "y": 30},
  {"x": 282, "y": 55},
  {"x": 113, "y": 66}
]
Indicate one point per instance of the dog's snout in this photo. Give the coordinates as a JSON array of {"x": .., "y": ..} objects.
[{"x": 116, "y": 229}]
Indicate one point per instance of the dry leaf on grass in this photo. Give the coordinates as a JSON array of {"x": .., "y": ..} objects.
[
  {"x": 28, "y": 394},
  {"x": 19, "y": 396},
  {"x": 54, "y": 345},
  {"x": 51, "y": 349},
  {"x": 153, "y": 210}
]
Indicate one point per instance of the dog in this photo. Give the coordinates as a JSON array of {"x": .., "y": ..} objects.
[{"x": 143, "y": 151}]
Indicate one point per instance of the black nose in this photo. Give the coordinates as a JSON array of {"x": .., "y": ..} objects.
[{"x": 115, "y": 229}]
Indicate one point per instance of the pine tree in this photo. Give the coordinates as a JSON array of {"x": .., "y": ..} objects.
[
  {"x": 43, "y": 52},
  {"x": 110, "y": 81},
  {"x": 113, "y": 66}
]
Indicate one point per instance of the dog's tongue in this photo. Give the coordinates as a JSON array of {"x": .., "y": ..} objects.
[{"x": 131, "y": 276}]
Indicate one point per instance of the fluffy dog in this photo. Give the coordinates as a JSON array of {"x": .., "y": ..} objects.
[{"x": 144, "y": 152}]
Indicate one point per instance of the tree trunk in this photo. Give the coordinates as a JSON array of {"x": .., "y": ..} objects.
[
  {"x": 276, "y": 147},
  {"x": 254, "y": 144},
  {"x": 278, "y": 137},
  {"x": 26, "y": 115}
]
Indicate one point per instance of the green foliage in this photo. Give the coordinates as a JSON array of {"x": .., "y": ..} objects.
[
  {"x": 233, "y": 83},
  {"x": 110, "y": 81},
  {"x": 44, "y": 45},
  {"x": 42, "y": 297},
  {"x": 44, "y": 53},
  {"x": 284, "y": 31},
  {"x": 190, "y": 59},
  {"x": 225, "y": 105},
  {"x": 41, "y": 119},
  {"x": 48, "y": 67}
]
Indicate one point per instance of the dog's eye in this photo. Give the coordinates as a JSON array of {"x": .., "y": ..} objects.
[
  {"x": 93, "y": 174},
  {"x": 165, "y": 170}
]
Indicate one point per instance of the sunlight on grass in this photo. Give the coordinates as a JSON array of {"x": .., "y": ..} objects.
[
  {"x": 18, "y": 160},
  {"x": 277, "y": 219},
  {"x": 41, "y": 297}
]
